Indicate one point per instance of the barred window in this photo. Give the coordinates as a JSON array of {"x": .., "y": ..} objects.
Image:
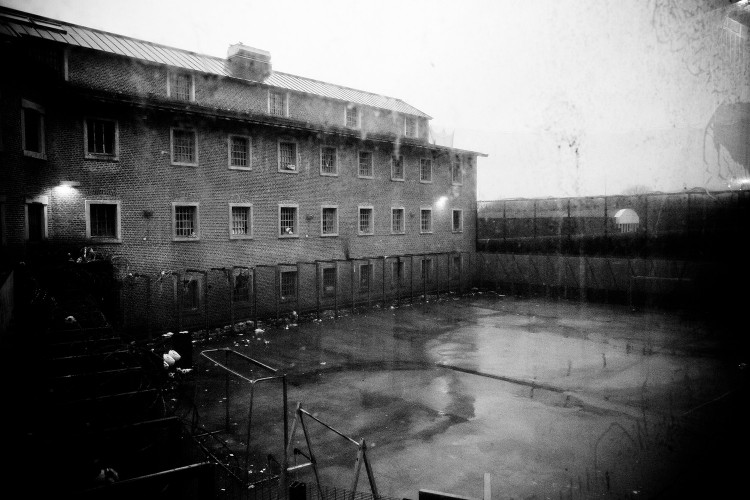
[
  {"x": 239, "y": 151},
  {"x": 185, "y": 221},
  {"x": 365, "y": 277},
  {"x": 329, "y": 221},
  {"x": 425, "y": 220},
  {"x": 328, "y": 161},
  {"x": 288, "y": 221},
  {"x": 32, "y": 129},
  {"x": 181, "y": 86},
  {"x": 241, "y": 289},
  {"x": 329, "y": 280},
  {"x": 288, "y": 156},
  {"x": 184, "y": 147},
  {"x": 397, "y": 220},
  {"x": 365, "y": 221},
  {"x": 458, "y": 221},
  {"x": 425, "y": 170},
  {"x": 277, "y": 103},
  {"x": 103, "y": 220},
  {"x": 397, "y": 168},
  {"x": 288, "y": 285},
  {"x": 456, "y": 173},
  {"x": 410, "y": 127},
  {"x": 241, "y": 221},
  {"x": 365, "y": 164},
  {"x": 352, "y": 117},
  {"x": 397, "y": 273},
  {"x": 101, "y": 137}
]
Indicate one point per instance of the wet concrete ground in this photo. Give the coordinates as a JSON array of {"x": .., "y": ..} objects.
[{"x": 553, "y": 399}]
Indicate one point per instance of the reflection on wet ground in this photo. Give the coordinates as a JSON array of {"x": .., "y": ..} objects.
[{"x": 553, "y": 399}]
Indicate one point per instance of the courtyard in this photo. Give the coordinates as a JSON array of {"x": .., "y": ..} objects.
[{"x": 553, "y": 399}]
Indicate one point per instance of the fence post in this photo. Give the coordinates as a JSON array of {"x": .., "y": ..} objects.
[
  {"x": 352, "y": 280},
  {"x": 336, "y": 289},
  {"x": 437, "y": 276},
  {"x": 317, "y": 288},
  {"x": 383, "y": 281}
]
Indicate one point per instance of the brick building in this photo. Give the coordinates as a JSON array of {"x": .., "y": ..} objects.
[{"x": 187, "y": 168}]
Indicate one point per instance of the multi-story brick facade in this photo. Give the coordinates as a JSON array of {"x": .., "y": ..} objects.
[{"x": 172, "y": 160}]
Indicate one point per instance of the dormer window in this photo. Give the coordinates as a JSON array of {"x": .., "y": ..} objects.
[
  {"x": 410, "y": 126},
  {"x": 352, "y": 117},
  {"x": 181, "y": 86}
]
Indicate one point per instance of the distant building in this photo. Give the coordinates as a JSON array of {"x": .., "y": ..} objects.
[{"x": 171, "y": 160}]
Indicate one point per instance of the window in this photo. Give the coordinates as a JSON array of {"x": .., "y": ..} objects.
[
  {"x": 397, "y": 273},
  {"x": 329, "y": 220},
  {"x": 191, "y": 296},
  {"x": 425, "y": 220},
  {"x": 288, "y": 221},
  {"x": 365, "y": 277},
  {"x": 101, "y": 138},
  {"x": 239, "y": 152},
  {"x": 458, "y": 221},
  {"x": 456, "y": 172},
  {"x": 181, "y": 86},
  {"x": 32, "y": 130},
  {"x": 426, "y": 269},
  {"x": 288, "y": 285},
  {"x": 241, "y": 288},
  {"x": 397, "y": 220},
  {"x": 456, "y": 264},
  {"x": 35, "y": 212},
  {"x": 185, "y": 222},
  {"x": 329, "y": 281},
  {"x": 365, "y": 164},
  {"x": 184, "y": 147},
  {"x": 425, "y": 170},
  {"x": 328, "y": 164},
  {"x": 365, "y": 220},
  {"x": 240, "y": 221},
  {"x": 287, "y": 156},
  {"x": 410, "y": 127},
  {"x": 397, "y": 168},
  {"x": 277, "y": 103},
  {"x": 103, "y": 220},
  {"x": 352, "y": 117}
]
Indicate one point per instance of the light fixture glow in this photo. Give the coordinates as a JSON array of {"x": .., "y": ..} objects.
[{"x": 440, "y": 203}]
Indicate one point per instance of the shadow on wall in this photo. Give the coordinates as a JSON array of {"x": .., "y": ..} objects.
[{"x": 729, "y": 128}]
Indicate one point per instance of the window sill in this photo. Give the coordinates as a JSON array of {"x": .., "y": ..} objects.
[
  {"x": 234, "y": 167},
  {"x": 34, "y": 154},
  {"x": 288, "y": 236},
  {"x": 425, "y": 232},
  {"x": 457, "y": 183},
  {"x": 400, "y": 233},
  {"x": 329, "y": 235},
  {"x": 288, "y": 171},
  {"x": 101, "y": 157},
  {"x": 183, "y": 239},
  {"x": 365, "y": 234},
  {"x": 397, "y": 179},
  {"x": 424, "y": 182},
  {"x": 96, "y": 240},
  {"x": 241, "y": 237},
  {"x": 457, "y": 232},
  {"x": 325, "y": 174},
  {"x": 365, "y": 176},
  {"x": 183, "y": 164}
]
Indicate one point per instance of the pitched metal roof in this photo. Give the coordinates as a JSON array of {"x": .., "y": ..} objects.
[{"x": 16, "y": 23}]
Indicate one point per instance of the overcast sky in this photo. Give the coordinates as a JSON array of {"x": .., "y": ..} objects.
[{"x": 568, "y": 97}]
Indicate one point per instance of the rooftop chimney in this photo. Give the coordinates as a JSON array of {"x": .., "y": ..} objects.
[{"x": 249, "y": 63}]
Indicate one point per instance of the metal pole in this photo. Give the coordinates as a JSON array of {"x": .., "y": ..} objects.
[
  {"x": 437, "y": 276},
  {"x": 317, "y": 286},
  {"x": 398, "y": 281},
  {"x": 450, "y": 264},
  {"x": 411, "y": 279},
  {"x": 296, "y": 284},
  {"x": 352, "y": 281},
  {"x": 255, "y": 299},
  {"x": 383, "y": 281},
  {"x": 277, "y": 281},
  {"x": 226, "y": 391},
  {"x": 424, "y": 270},
  {"x": 370, "y": 276},
  {"x": 336, "y": 290}
]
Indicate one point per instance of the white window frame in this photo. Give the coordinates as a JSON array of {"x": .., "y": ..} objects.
[
  {"x": 460, "y": 220},
  {"x": 372, "y": 164},
  {"x": 278, "y": 157},
  {"x": 372, "y": 220},
  {"x": 357, "y": 110},
  {"x": 171, "y": 147},
  {"x": 196, "y": 205},
  {"x": 421, "y": 179},
  {"x": 295, "y": 233},
  {"x": 171, "y": 73},
  {"x": 460, "y": 180},
  {"x": 335, "y": 161},
  {"x": 118, "y": 222},
  {"x": 336, "y": 224},
  {"x": 115, "y": 156},
  {"x": 421, "y": 230},
  {"x": 248, "y": 236},
  {"x": 285, "y": 104},
  {"x": 403, "y": 168},
  {"x": 249, "y": 140},
  {"x": 403, "y": 220},
  {"x": 41, "y": 155},
  {"x": 41, "y": 200}
]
